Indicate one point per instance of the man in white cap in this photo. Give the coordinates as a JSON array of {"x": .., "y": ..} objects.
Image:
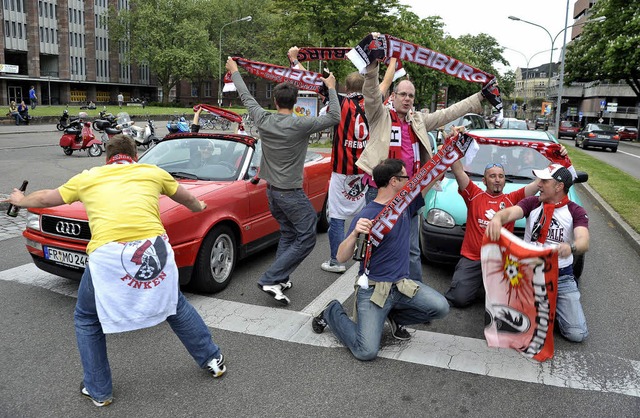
[{"x": 554, "y": 221}]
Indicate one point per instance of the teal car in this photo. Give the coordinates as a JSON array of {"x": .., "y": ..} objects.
[{"x": 444, "y": 216}]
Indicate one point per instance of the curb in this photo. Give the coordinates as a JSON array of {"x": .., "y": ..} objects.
[{"x": 629, "y": 234}]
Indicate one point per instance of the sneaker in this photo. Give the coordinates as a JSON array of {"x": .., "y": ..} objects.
[
  {"x": 286, "y": 285},
  {"x": 398, "y": 331},
  {"x": 86, "y": 394},
  {"x": 276, "y": 292},
  {"x": 216, "y": 366},
  {"x": 333, "y": 267},
  {"x": 318, "y": 324}
]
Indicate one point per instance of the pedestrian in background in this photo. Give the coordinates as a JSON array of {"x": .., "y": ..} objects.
[{"x": 33, "y": 98}]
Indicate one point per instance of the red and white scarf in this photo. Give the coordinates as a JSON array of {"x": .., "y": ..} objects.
[
  {"x": 223, "y": 113},
  {"x": 521, "y": 282},
  {"x": 121, "y": 159}
]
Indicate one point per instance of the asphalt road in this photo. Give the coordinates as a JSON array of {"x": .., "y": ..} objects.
[
  {"x": 277, "y": 367},
  {"x": 627, "y": 158}
]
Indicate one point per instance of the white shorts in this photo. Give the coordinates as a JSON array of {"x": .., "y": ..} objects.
[{"x": 346, "y": 195}]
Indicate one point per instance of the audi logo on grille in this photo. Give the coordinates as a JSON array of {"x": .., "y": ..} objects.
[{"x": 68, "y": 228}]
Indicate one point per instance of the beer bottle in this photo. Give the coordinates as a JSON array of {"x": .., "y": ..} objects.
[{"x": 13, "y": 210}]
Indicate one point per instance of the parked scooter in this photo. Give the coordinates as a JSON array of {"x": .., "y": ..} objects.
[
  {"x": 106, "y": 130},
  {"x": 176, "y": 125},
  {"x": 78, "y": 136},
  {"x": 65, "y": 121},
  {"x": 103, "y": 115},
  {"x": 144, "y": 136}
]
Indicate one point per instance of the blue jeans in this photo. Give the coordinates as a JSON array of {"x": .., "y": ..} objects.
[
  {"x": 92, "y": 344},
  {"x": 363, "y": 338},
  {"x": 297, "y": 218},
  {"x": 336, "y": 236},
  {"x": 569, "y": 313},
  {"x": 415, "y": 263}
]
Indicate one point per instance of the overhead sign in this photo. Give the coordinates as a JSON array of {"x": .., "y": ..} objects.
[
  {"x": 8, "y": 68},
  {"x": 612, "y": 107}
]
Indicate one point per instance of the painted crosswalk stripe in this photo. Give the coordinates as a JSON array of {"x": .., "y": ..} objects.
[{"x": 567, "y": 369}]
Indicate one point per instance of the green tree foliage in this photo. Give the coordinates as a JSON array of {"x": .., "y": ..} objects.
[
  {"x": 608, "y": 50},
  {"x": 167, "y": 35}
]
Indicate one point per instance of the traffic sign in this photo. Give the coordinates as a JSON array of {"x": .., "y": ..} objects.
[
  {"x": 603, "y": 104},
  {"x": 8, "y": 68},
  {"x": 514, "y": 107},
  {"x": 612, "y": 107}
]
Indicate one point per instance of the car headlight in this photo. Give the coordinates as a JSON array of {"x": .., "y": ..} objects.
[
  {"x": 33, "y": 221},
  {"x": 438, "y": 217}
]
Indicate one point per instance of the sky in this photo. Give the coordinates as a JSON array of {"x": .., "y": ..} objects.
[{"x": 491, "y": 17}]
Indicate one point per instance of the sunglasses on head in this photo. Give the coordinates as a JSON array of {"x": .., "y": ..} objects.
[{"x": 491, "y": 165}]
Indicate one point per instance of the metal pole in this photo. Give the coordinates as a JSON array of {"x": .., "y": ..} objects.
[
  {"x": 244, "y": 19},
  {"x": 49, "y": 83},
  {"x": 561, "y": 80}
]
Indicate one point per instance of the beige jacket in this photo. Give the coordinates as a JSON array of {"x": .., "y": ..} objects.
[{"x": 377, "y": 148}]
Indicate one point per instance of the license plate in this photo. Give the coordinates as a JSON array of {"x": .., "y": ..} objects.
[
  {"x": 603, "y": 136},
  {"x": 69, "y": 258}
]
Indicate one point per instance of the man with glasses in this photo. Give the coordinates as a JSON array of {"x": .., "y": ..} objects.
[
  {"x": 400, "y": 132},
  {"x": 385, "y": 291},
  {"x": 554, "y": 221}
]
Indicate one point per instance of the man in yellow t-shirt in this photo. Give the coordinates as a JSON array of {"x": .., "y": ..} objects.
[{"x": 131, "y": 279}]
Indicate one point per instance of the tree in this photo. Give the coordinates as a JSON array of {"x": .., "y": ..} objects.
[
  {"x": 168, "y": 36},
  {"x": 608, "y": 50}
]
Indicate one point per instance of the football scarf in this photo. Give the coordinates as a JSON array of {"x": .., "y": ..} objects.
[
  {"x": 541, "y": 226},
  {"x": 452, "y": 150},
  {"x": 379, "y": 47},
  {"x": 223, "y": 113},
  {"x": 121, "y": 159},
  {"x": 520, "y": 281},
  {"x": 302, "y": 79},
  {"x": 307, "y": 54}
]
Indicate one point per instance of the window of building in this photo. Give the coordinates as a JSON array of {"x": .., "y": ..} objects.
[
  {"x": 252, "y": 88},
  {"x": 194, "y": 90},
  {"x": 51, "y": 14},
  {"x": 206, "y": 89},
  {"x": 269, "y": 90}
]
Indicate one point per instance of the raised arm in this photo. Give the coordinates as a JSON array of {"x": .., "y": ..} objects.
[
  {"x": 293, "y": 58},
  {"x": 388, "y": 76}
]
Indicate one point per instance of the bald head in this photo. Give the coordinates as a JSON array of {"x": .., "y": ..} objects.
[{"x": 404, "y": 95}]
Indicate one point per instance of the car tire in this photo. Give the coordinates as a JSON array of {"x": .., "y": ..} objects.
[
  {"x": 614, "y": 149},
  {"x": 323, "y": 217},
  {"x": 95, "y": 150},
  {"x": 216, "y": 261},
  {"x": 578, "y": 266}
]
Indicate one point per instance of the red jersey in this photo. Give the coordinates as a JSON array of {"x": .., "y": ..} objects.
[
  {"x": 481, "y": 206},
  {"x": 350, "y": 135}
]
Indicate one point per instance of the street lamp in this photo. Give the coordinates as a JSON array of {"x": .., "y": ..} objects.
[
  {"x": 528, "y": 61},
  {"x": 553, "y": 39},
  {"x": 244, "y": 19}
]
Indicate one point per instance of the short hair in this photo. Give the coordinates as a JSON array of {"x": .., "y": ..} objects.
[
  {"x": 388, "y": 168},
  {"x": 286, "y": 95},
  {"x": 354, "y": 82},
  {"x": 121, "y": 144},
  {"x": 395, "y": 88}
]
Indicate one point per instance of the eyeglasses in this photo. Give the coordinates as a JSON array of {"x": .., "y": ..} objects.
[
  {"x": 403, "y": 94},
  {"x": 491, "y": 165}
]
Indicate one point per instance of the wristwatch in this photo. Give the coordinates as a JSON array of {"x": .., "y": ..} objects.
[{"x": 573, "y": 248}]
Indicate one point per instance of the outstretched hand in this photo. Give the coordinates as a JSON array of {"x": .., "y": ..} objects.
[{"x": 329, "y": 81}]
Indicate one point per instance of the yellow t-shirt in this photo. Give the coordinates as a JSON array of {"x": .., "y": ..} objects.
[{"x": 121, "y": 201}]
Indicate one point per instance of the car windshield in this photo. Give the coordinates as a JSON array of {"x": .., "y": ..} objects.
[
  {"x": 567, "y": 124},
  {"x": 514, "y": 124},
  {"x": 516, "y": 161},
  {"x": 212, "y": 159}
]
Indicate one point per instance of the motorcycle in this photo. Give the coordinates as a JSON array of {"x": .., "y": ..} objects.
[
  {"x": 176, "y": 125},
  {"x": 65, "y": 120},
  {"x": 144, "y": 136},
  {"x": 106, "y": 130},
  {"x": 78, "y": 136},
  {"x": 103, "y": 116}
]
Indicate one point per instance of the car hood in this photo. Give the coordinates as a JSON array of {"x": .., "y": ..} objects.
[{"x": 199, "y": 189}]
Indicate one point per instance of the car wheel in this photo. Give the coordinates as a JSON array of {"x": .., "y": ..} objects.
[
  {"x": 216, "y": 260},
  {"x": 578, "y": 266},
  {"x": 323, "y": 217},
  {"x": 614, "y": 149},
  {"x": 575, "y": 142},
  {"x": 67, "y": 150},
  {"x": 95, "y": 150}
]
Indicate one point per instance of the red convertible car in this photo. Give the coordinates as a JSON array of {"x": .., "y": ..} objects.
[{"x": 222, "y": 170}]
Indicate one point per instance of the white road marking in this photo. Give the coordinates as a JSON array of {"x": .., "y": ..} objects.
[
  {"x": 627, "y": 153},
  {"x": 567, "y": 369}
]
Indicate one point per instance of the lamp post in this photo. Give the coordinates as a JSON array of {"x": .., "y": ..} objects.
[
  {"x": 244, "y": 19},
  {"x": 528, "y": 61},
  {"x": 553, "y": 41}
]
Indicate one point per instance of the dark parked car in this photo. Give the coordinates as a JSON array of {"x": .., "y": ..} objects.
[
  {"x": 598, "y": 135},
  {"x": 628, "y": 133},
  {"x": 568, "y": 128},
  {"x": 542, "y": 123}
]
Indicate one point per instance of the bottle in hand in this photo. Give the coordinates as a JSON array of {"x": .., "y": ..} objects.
[{"x": 13, "y": 210}]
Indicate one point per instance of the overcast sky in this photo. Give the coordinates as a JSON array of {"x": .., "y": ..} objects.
[{"x": 491, "y": 17}]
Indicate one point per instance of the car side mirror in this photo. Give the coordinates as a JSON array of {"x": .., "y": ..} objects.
[{"x": 582, "y": 177}]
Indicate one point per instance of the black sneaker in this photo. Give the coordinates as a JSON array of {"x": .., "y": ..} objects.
[
  {"x": 398, "y": 331},
  {"x": 216, "y": 366},
  {"x": 318, "y": 324},
  {"x": 86, "y": 394}
]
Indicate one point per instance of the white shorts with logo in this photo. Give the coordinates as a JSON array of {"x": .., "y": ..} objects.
[{"x": 346, "y": 195}]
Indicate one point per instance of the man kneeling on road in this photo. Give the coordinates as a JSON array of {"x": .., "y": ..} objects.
[{"x": 385, "y": 292}]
